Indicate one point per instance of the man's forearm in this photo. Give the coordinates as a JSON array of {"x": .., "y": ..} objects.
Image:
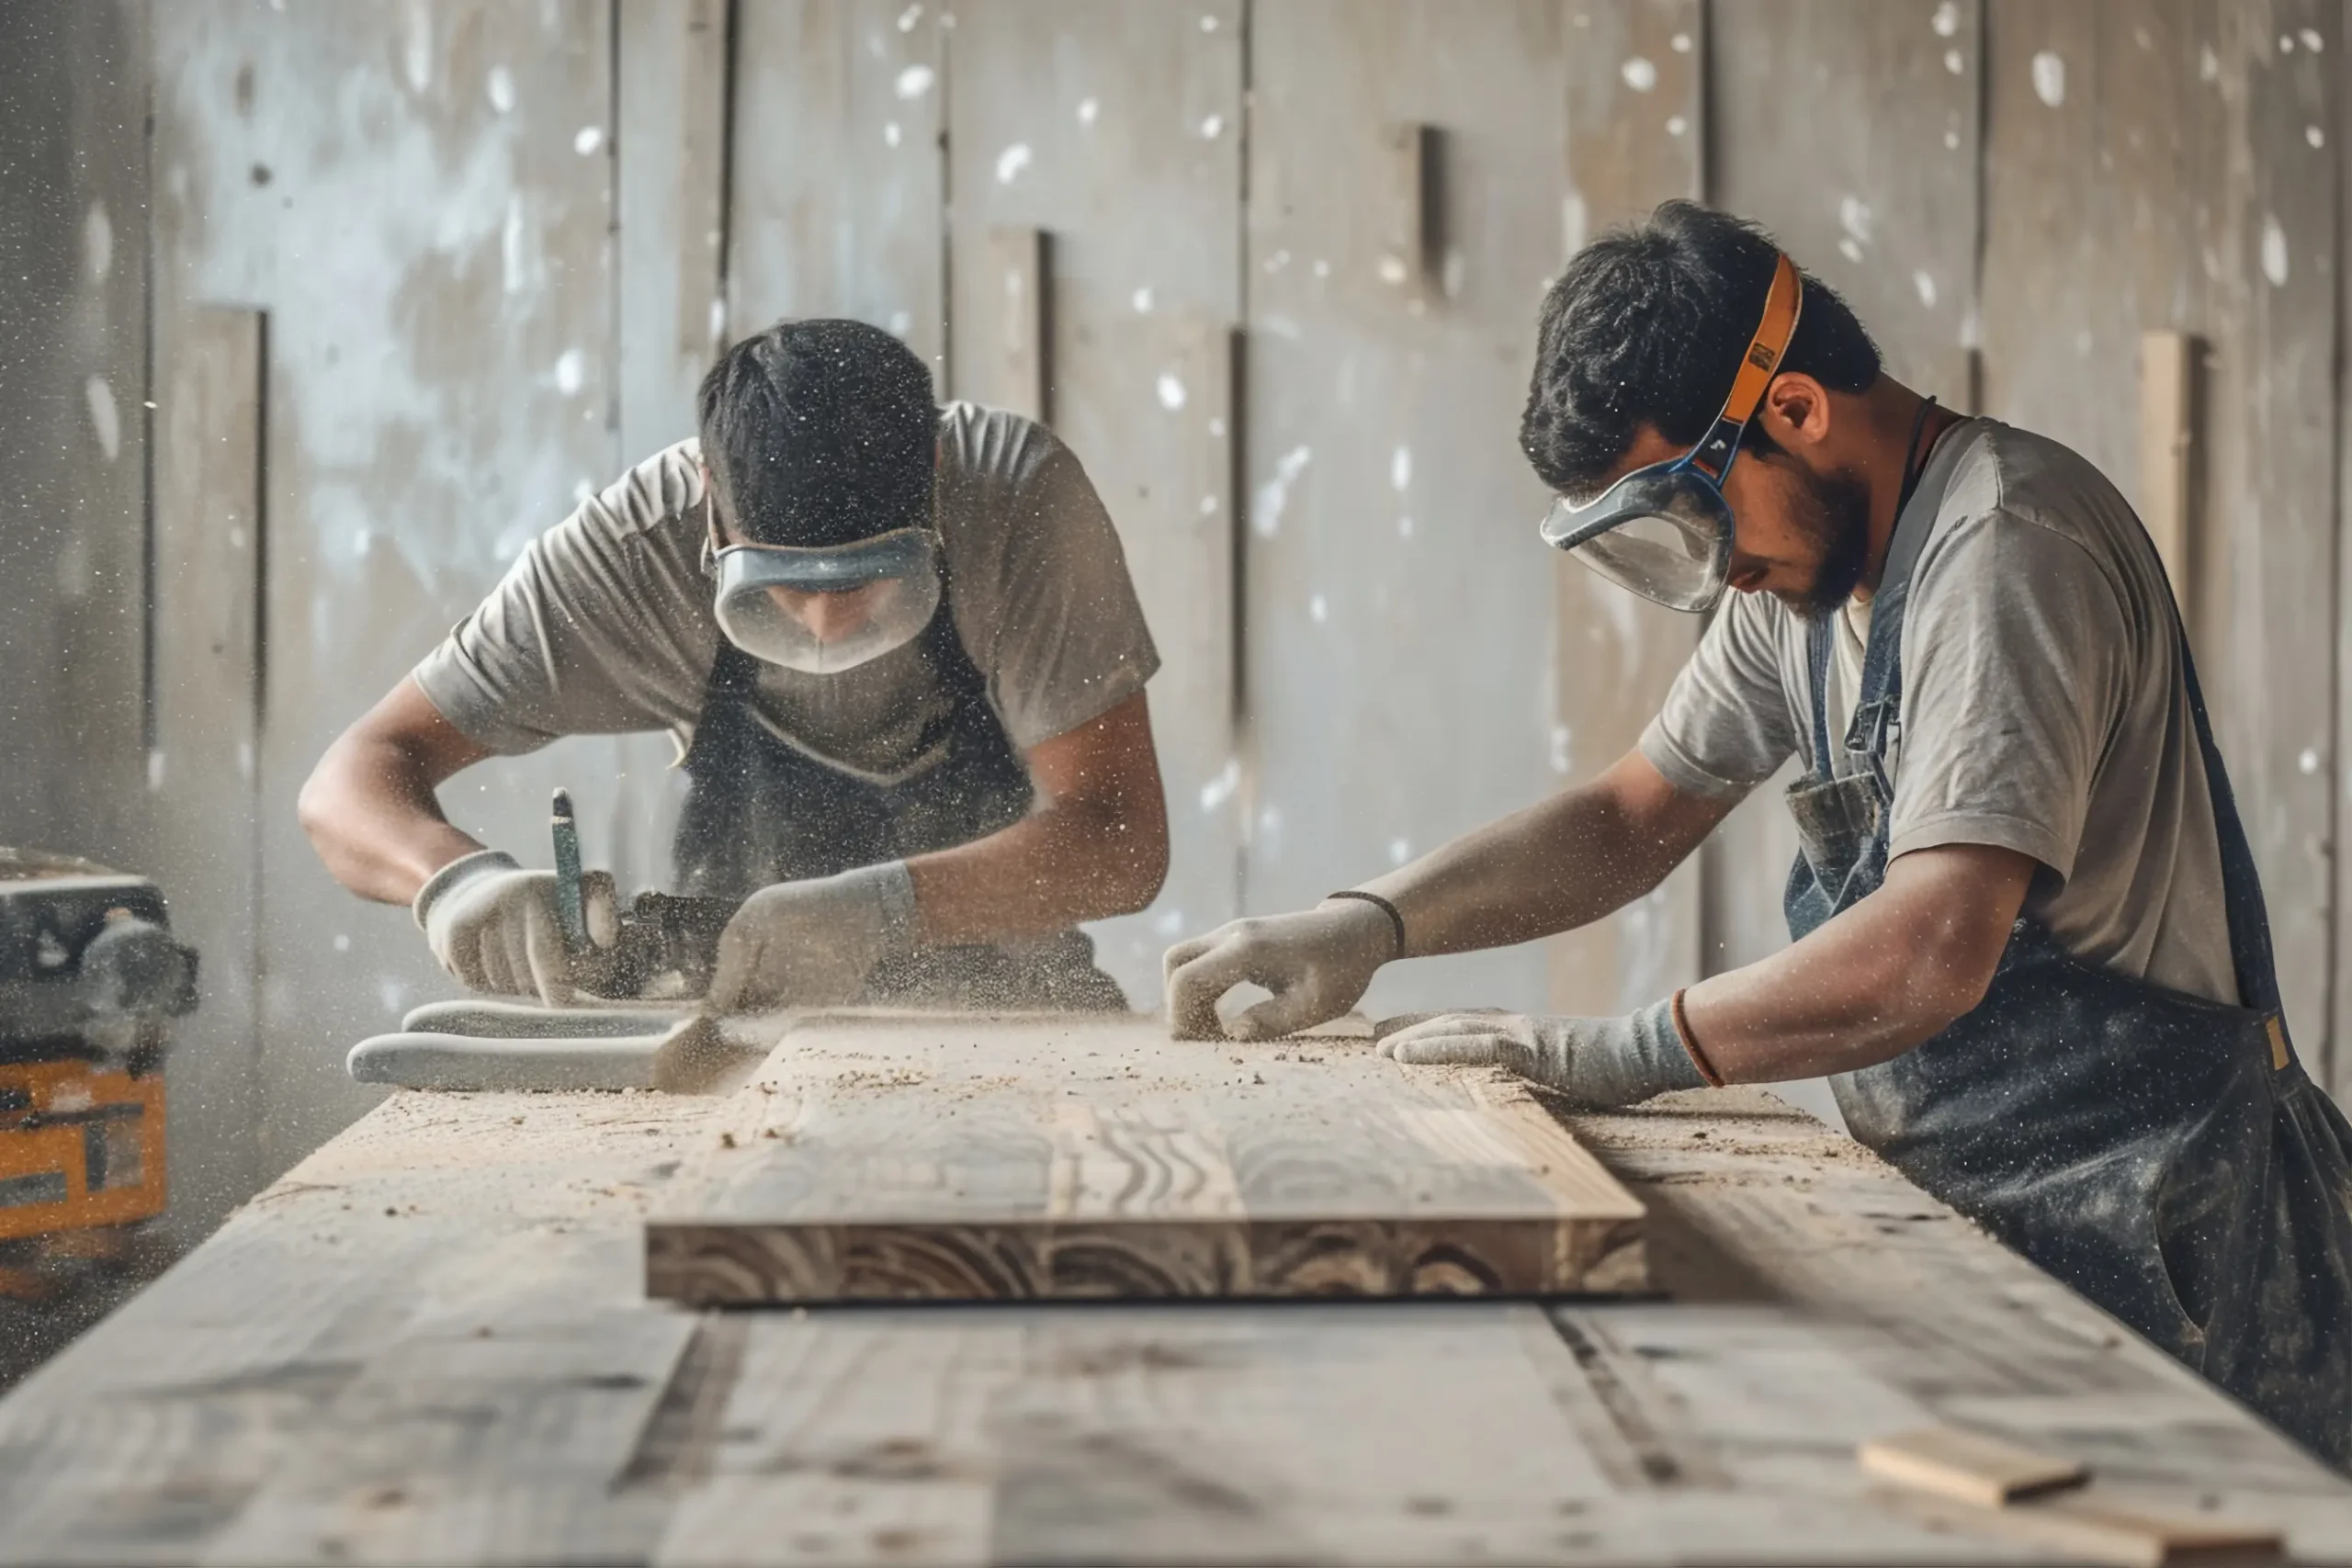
[
  {"x": 375, "y": 825},
  {"x": 1072, "y": 862},
  {"x": 1873, "y": 982},
  {"x": 1557, "y": 865}
]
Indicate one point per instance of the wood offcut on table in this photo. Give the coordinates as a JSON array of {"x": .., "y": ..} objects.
[{"x": 1022, "y": 1158}]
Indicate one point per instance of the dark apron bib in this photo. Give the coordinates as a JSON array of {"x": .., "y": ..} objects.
[
  {"x": 2164, "y": 1154},
  {"x": 759, "y": 810}
]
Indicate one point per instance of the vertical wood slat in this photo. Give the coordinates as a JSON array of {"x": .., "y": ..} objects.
[
  {"x": 2167, "y": 371},
  {"x": 1011, "y": 366},
  {"x": 211, "y": 372},
  {"x": 837, "y": 192},
  {"x": 1628, "y": 148},
  {"x": 669, "y": 196},
  {"x": 1400, "y": 645},
  {"x": 1096, "y": 163}
]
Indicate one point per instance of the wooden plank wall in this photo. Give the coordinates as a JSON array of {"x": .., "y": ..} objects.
[
  {"x": 73, "y": 431},
  {"x": 1397, "y": 622},
  {"x": 1131, "y": 173},
  {"x": 1282, "y": 259},
  {"x": 420, "y": 198}
]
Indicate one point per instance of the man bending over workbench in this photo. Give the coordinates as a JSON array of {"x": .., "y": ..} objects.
[
  {"x": 2029, "y": 941},
  {"x": 901, "y": 655}
]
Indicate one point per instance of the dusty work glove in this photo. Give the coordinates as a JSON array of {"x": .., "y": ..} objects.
[
  {"x": 494, "y": 927},
  {"x": 1317, "y": 962},
  {"x": 812, "y": 943},
  {"x": 1599, "y": 1064}
]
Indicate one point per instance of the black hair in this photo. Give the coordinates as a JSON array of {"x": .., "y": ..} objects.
[
  {"x": 1647, "y": 325},
  {"x": 819, "y": 433}
]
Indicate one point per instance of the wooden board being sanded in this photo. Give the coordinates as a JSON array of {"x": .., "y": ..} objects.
[{"x": 1039, "y": 1157}]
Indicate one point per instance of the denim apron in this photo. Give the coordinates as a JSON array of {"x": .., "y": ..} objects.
[
  {"x": 761, "y": 811},
  {"x": 2163, "y": 1154}
]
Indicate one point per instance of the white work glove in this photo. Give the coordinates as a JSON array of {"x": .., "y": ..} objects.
[
  {"x": 494, "y": 927},
  {"x": 1599, "y": 1064},
  {"x": 812, "y": 943},
  {"x": 1317, "y": 962}
]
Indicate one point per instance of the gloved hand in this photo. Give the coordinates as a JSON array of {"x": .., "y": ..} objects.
[
  {"x": 1599, "y": 1064},
  {"x": 494, "y": 927},
  {"x": 1316, "y": 962},
  {"x": 812, "y": 943}
]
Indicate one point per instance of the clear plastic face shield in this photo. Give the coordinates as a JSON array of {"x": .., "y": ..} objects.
[
  {"x": 1665, "y": 531},
  {"x": 824, "y": 610}
]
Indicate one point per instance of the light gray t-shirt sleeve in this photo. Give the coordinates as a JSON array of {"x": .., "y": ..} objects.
[
  {"x": 1726, "y": 725},
  {"x": 2013, "y": 656},
  {"x": 584, "y": 636},
  {"x": 1044, "y": 602}
]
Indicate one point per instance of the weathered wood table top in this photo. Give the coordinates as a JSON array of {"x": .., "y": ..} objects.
[{"x": 430, "y": 1343}]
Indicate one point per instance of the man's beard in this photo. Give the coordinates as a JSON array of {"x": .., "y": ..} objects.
[{"x": 1838, "y": 518}]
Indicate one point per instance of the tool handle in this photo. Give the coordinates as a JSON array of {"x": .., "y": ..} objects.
[{"x": 570, "y": 904}]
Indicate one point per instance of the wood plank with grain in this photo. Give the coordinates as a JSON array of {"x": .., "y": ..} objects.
[{"x": 1019, "y": 1158}]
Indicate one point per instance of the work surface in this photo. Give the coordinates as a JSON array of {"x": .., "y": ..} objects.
[{"x": 430, "y": 1343}]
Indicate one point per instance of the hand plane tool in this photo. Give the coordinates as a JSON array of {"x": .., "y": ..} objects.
[{"x": 662, "y": 945}]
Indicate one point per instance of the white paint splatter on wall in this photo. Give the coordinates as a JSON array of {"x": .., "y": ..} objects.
[
  {"x": 1946, "y": 21},
  {"x": 1268, "y": 504},
  {"x": 1220, "y": 789},
  {"x": 416, "y": 50},
  {"x": 914, "y": 81},
  {"x": 1955, "y": 63},
  {"x": 1639, "y": 74},
  {"x": 1401, "y": 469},
  {"x": 106, "y": 420},
  {"x": 2274, "y": 251},
  {"x": 588, "y": 138},
  {"x": 909, "y": 18},
  {"x": 1087, "y": 109},
  {"x": 1680, "y": 43},
  {"x": 1010, "y": 161},
  {"x": 2311, "y": 41},
  {"x": 1319, "y": 608},
  {"x": 571, "y": 372},
  {"x": 98, "y": 242},
  {"x": 1400, "y": 850},
  {"x": 1212, "y": 127},
  {"x": 1564, "y": 754},
  {"x": 2050, "y": 78},
  {"x": 1925, "y": 283},
  {"x": 500, "y": 87},
  {"x": 1141, "y": 301},
  {"x": 1171, "y": 391},
  {"x": 2208, "y": 64},
  {"x": 1676, "y": 125},
  {"x": 2315, "y": 136},
  {"x": 890, "y": 133}
]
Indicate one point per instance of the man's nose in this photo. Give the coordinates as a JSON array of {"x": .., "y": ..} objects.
[{"x": 830, "y": 616}]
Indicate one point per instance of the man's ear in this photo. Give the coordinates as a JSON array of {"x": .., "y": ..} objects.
[{"x": 1795, "y": 411}]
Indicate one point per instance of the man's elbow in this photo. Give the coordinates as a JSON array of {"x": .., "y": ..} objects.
[
  {"x": 318, "y": 807},
  {"x": 1147, "y": 858}
]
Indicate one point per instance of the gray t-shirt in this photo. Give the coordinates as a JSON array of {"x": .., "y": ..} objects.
[
  {"x": 2044, "y": 707},
  {"x": 603, "y": 626}
]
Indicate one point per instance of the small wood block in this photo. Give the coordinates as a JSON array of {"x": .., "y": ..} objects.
[
  {"x": 2101, "y": 1526},
  {"x": 1968, "y": 1467}
]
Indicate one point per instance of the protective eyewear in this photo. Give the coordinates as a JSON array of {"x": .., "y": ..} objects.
[
  {"x": 824, "y": 610},
  {"x": 1665, "y": 531}
]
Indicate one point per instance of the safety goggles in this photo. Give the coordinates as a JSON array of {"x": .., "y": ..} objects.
[
  {"x": 824, "y": 610},
  {"x": 1665, "y": 531}
]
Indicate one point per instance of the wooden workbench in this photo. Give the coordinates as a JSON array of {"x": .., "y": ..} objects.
[{"x": 429, "y": 1343}]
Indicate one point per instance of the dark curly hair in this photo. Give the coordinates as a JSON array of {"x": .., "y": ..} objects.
[
  {"x": 819, "y": 433},
  {"x": 1646, "y": 326}
]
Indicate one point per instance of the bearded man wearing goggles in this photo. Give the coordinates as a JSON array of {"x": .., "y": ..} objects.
[
  {"x": 2028, "y": 942},
  {"x": 904, "y": 663}
]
